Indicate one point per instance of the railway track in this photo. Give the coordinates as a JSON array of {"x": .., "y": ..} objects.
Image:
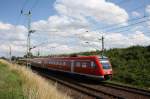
[
  {"x": 109, "y": 90},
  {"x": 128, "y": 88},
  {"x": 95, "y": 93}
]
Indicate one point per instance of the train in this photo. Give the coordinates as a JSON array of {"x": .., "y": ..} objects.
[{"x": 89, "y": 66}]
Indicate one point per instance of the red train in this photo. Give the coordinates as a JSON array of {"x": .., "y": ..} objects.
[{"x": 91, "y": 66}]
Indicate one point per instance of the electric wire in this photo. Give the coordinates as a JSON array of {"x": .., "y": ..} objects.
[
  {"x": 130, "y": 20},
  {"x": 132, "y": 24},
  {"x": 117, "y": 24},
  {"x": 34, "y": 5}
]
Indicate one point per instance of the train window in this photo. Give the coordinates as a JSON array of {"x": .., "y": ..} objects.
[
  {"x": 93, "y": 65},
  {"x": 60, "y": 63},
  {"x": 64, "y": 63},
  {"x": 84, "y": 64},
  {"x": 105, "y": 63},
  {"x": 39, "y": 62},
  {"x": 88, "y": 63},
  {"x": 68, "y": 63},
  {"x": 77, "y": 64}
]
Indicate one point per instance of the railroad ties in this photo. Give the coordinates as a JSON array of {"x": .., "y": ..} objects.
[{"x": 99, "y": 91}]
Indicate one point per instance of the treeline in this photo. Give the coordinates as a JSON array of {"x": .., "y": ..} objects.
[{"x": 130, "y": 65}]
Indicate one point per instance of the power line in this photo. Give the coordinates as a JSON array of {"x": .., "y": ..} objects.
[
  {"x": 129, "y": 25},
  {"x": 24, "y": 4},
  {"x": 108, "y": 26},
  {"x": 131, "y": 20},
  {"x": 34, "y": 5}
]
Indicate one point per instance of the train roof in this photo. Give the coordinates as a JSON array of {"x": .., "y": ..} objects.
[
  {"x": 83, "y": 57},
  {"x": 73, "y": 57}
]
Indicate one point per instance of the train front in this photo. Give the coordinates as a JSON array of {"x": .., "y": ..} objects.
[{"x": 106, "y": 68}]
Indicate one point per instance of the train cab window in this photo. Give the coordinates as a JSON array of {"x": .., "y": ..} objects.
[
  {"x": 105, "y": 63},
  {"x": 106, "y": 66}
]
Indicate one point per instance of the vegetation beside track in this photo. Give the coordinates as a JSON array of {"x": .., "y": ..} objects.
[
  {"x": 130, "y": 65},
  {"x": 10, "y": 84},
  {"x": 18, "y": 82}
]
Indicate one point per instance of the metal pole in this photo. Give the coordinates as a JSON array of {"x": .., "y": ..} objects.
[
  {"x": 29, "y": 32},
  {"x": 102, "y": 43},
  {"x": 10, "y": 53},
  {"x": 102, "y": 46}
]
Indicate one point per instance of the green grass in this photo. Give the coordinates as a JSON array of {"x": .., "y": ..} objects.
[
  {"x": 19, "y": 82},
  {"x": 10, "y": 84}
]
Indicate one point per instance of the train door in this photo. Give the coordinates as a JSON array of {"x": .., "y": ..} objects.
[
  {"x": 72, "y": 65},
  {"x": 93, "y": 67}
]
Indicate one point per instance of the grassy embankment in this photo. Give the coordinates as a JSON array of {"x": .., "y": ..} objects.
[
  {"x": 17, "y": 82},
  {"x": 130, "y": 65}
]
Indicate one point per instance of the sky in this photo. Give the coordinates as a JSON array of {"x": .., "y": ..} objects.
[{"x": 63, "y": 26}]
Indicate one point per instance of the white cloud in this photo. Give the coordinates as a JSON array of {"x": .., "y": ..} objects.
[
  {"x": 60, "y": 23},
  {"x": 5, "y": 27},
  {"x": 136, "y": 14},
  {"x": 14, "y": 36},
  {"x": 147, "y": 9},
  {"x": 114, "y": 40},
  {"x": 71, "y": 22},
  {"x": 100, "y": 10}
]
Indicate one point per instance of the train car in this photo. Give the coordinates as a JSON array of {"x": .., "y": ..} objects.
[{"x": 91, "y": 66}]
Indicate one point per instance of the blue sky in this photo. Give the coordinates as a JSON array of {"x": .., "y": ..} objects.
[
  {"x": 71, "y": 19},
  {"x": 10, "y": 9}
]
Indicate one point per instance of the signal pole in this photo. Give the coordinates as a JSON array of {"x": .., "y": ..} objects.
[
  {"x": 102, "y": 46},
  {"x": 10, "y": 53},
  {"x": 29, "y": 34},
  {"x": 102, "y": 39}
]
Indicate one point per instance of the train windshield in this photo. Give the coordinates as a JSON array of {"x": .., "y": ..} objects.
[{"x": 105, "y": 63}]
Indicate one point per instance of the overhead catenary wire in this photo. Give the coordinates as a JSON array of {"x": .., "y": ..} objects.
[
  {"x": 114, "y": 29},
  {"x": 34, "y": 5},
  {"x": 130, "y": 20},
  {"x": 117, "y": 24},
  {"x": 23, "y": 6}
]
